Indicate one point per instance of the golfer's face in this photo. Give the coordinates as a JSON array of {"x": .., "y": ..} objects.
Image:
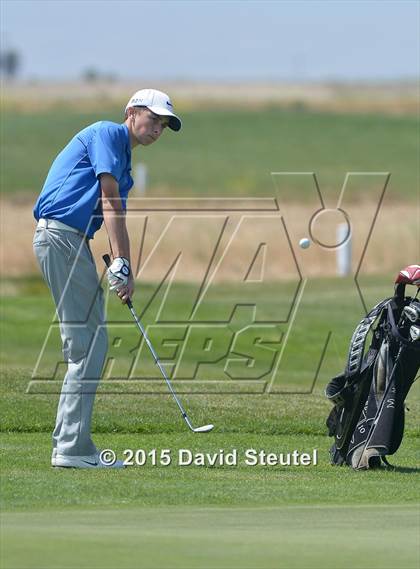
[{"x": 147, "y": 126}]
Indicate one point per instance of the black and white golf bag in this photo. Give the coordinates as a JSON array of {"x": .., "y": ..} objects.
[{"x": 367, "y": 421}]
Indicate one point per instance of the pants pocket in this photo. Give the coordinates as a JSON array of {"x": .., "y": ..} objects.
[
  {"x": 40, "y": 238},
  {"x": 66, "y": 243}
]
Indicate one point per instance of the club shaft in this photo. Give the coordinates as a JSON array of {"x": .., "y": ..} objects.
[
  {"x": 157, "y": 362},
  {"x": 107, "y": 260}
]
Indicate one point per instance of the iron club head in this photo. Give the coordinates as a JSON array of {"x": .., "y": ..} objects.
[{"x": 204, "y": 429}]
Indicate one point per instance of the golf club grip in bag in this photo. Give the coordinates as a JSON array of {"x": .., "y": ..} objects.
[{"x": 367, "y": 420}]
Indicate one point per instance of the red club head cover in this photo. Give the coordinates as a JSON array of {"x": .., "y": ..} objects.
[{"x": 409, "y": 275}]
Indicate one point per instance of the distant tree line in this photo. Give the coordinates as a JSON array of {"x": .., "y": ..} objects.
[
  {"x": 9, "y": 63},
  {"x": 92, "y": 75}
]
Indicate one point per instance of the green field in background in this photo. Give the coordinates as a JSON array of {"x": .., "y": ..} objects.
[
  {"x": 237, "y": 517},
  {"x": 231, "y": 152}
]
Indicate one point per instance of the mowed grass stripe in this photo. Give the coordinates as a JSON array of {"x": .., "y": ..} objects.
[{"x": 195, "y": 538}]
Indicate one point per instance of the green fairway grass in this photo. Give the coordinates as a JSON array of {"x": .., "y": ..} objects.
[
  {"x": 300, "y": 537},
  {"x": 294, "y": 517},
  {"x": 231, "y": 152},
  {"x": 29, "y": 483},
  {"x": 199, "y": 517}
]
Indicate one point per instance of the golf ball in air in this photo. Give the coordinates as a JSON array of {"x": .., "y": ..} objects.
[{"x": 304, "y": 243}]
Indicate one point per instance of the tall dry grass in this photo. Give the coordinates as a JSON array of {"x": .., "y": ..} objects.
[{"x": 254, "y": 244}]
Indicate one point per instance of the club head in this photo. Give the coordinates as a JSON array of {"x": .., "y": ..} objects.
[
  {"x": 204, "y": 429},
  {"x": 415, "y": 333},
  {"x": 412, "y": 312}
]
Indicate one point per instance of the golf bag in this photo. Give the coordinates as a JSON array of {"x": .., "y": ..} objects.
[{"x": 367, "y": 420}]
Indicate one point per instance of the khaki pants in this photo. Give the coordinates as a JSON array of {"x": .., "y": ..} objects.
[{"x": 70, "y": 272}]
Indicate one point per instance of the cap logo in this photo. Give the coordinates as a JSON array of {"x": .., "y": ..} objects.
[{"x": 169, "y": 104}]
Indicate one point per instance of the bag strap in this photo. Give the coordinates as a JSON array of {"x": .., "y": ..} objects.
[{"x": 358, "y": 340}]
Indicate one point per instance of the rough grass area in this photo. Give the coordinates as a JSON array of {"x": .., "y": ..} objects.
[
  {"x": 287, "y": 401},
  {"x": 199, "y": 517},
  {"x": 230, "y": 152}
]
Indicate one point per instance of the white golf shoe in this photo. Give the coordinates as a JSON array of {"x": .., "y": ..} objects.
[{"x": 91, "y": 461}]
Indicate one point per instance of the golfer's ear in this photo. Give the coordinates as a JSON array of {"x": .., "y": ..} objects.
[{"x": 129, "y": 112}]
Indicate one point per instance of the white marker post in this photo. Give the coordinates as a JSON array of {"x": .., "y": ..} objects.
[
  {"x": 140, "y": 178},
  {"x": 344, "y": 250}
]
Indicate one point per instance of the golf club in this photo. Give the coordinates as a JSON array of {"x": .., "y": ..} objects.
[{"x": 204, "y": 428}]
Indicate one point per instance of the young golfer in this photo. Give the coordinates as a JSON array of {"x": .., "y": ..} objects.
[{"x": 88, "y": 183}]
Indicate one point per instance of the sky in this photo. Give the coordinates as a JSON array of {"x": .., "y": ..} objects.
[{"x": 236, "y": 40}]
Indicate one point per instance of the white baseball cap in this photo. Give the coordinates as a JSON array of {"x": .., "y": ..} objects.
[{"x": 158, "y": 102}]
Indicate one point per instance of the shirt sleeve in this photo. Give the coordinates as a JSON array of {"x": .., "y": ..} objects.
[{"x": 104, "y": 150}]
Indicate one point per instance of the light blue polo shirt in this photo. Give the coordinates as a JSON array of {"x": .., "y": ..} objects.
[{"x": 71, "y": 190}]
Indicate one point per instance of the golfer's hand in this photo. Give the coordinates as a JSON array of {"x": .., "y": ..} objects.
[
  {"x": 126, "y": 292},
  {"x": 120, "y": 278}
]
